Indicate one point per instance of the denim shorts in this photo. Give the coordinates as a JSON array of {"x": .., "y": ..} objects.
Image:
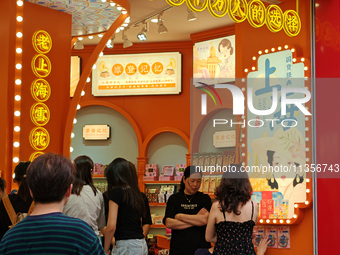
[{"x": 130, "y": 247}]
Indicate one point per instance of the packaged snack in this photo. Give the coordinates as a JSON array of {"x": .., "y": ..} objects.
[
  {"x": 283, "y": 233},
  {"x": 218, "y": 180},
  {"x": 195, "y": 159},
  {"x": 258, "y": 234},
  {"x": 272, "y": 236},
  {"x": 212, "y": 185},
  {"x": 205, "y": 184}
]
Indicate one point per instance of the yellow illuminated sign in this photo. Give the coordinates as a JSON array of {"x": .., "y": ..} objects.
[
  {"x": 39, "y": 138},
  {"x": 40, "y": 90},
  {"x": 255, "y": 11},
  {"x": 274, "y": 18},
  {"x": 42, "y": 41},
  {"x": 34, "y": 155},
  {"x": 41, "y": 65},
  {"x": 292, "y": 23},
  {"x": 40, "y": 114}
]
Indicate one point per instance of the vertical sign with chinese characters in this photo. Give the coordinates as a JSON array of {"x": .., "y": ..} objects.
[
  {"x": 40, "y": 91},
  {"x": 276, "y": 140}
]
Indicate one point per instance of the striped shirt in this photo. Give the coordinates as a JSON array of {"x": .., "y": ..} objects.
[{"x": 52, "y": 233}]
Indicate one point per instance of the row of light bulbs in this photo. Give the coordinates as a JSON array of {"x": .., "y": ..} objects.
[{"x": 17, "y": 96}]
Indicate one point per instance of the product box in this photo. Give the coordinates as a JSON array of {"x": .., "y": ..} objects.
[
  {"x": 150, "y": 178},
  {"x": 283, "y": 234},
  {"x": 219, "y": 159},
  {"x": 195, "y": 159},
  {"x": 151, "y": 170},
  {"x": 271, "y": 232},
  {"x": 158, "y": 220},
  {"x": 168, "y": 171},
  {"x": 179, "y": 171},
  {"x": 267, "y": 205},
  {"x": 205, "y": 184},
  {"x": 212, "y": 185},
  {"x": 218, "y": 180},
  {"x": 283, "y": 214}
]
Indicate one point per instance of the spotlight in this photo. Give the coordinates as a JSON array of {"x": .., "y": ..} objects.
[
  {"x": 110, "y": 43},
  {"x": 191, "y": 15},
  {"x": 142, "y": 34},
  {"x": 161, "y": 28},
  {"x": 78, "y": 45},
  {"x": 127, "y": 42}
]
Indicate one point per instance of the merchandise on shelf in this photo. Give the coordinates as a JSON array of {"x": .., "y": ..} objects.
[
  {"x": 167, "y": 173},
  {"x": 101, "y": 186},
  {"x": 151, "y": 172},
  {"x": 160, "y": 195},
  {"x": 98, "y": 169},
  {"x": 179, "y": 171},
  {"x": 283, "y": 233}
]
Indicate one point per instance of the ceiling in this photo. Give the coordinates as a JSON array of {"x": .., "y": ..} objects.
[{"x": 175, "y": 20}]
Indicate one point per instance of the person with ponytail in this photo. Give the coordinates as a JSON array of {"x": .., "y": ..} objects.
[
  {"x": 233, "y": 215},
  {"x": 21, "y": 201},
  {"x": 86, "y": 202},
  {"x": 187, "y": 214},
  {"x": 128, "y": 210}
]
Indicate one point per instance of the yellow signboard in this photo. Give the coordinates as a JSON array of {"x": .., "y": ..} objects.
[
  {"x": 39, "y": 138},
  {"x": 255, "y": 11}
]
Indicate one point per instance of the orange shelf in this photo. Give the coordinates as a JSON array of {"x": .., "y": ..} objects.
[
  {"x": 98, "y": 176},
  {"x": 157, "y": 226},
  {"x": 162, "y": 182},
  {"x": 157, "y": 204}
]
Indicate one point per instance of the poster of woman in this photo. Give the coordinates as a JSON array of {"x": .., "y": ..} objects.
[{"x": 215, "y": 59}]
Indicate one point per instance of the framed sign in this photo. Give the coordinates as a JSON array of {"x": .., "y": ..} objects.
[
  {"x": 96, "y": 132},
  {"x": 137, "y": 74},
  {"x": 215, "y": 59}
]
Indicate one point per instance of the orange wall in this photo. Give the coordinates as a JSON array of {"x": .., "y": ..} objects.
[
  {"x": 35, "y": 18},
  {"x": 41, "y": 18},
  {"x": 151, "y": 112},
  {"x": 7, "y": 10},
  {"x": 249, "y": 41}
]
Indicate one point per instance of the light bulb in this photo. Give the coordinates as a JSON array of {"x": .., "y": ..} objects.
[
  {"x": 17, "y": 98},
  {"x": 16, "y": 144},
  {"x": 18, "y": 82},
  {"x": 15, "y": 159},
  {"x": 19, "y": 19},
  {"x": 16, "y": 128},
  {"x": 17, "y": 113},
  {"x": 18, "y": 50}
]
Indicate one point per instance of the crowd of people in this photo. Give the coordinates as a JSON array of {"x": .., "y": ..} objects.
[{"x": 70, "y": 216}]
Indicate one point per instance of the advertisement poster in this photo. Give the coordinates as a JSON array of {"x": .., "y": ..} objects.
[
  {"x": 215, "y": 59},
  {"x": 137, "y": 74},
  {"x": 275, "y": 139}
]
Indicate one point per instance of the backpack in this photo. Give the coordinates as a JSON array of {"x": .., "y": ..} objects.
[{"x": 15, "y": 218}]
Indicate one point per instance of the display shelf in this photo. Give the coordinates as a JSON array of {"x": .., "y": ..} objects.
[
  {"x": 157, "y": 226},
  {"x": 157, "y": 204},
  {"x": 98, "y": 176},
  {"x": 161, "y": 182}
]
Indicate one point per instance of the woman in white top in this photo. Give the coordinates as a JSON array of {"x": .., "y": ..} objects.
[{"x": 86, "y": 202}]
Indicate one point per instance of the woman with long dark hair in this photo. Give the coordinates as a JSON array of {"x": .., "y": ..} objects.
[
  {"x": 21, "y": 201},
  {"x": 233, "y": 216},
  {"x": 128, "y": 210},
  {"x": 86, "y": 202},
  {"x": 186, "y": 214}
]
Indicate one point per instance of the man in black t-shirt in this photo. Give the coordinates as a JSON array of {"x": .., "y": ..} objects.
[{"x": 187, "y": 216}]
